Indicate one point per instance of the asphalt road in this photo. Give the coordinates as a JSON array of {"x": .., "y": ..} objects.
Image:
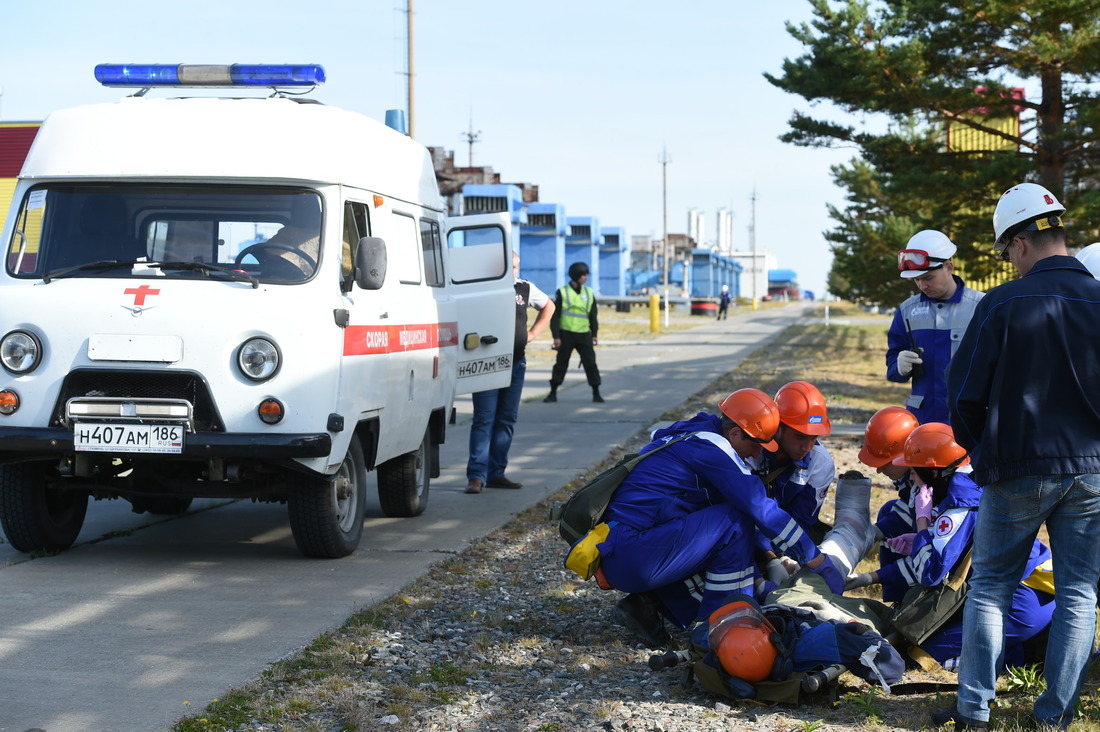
[{"x": 145, "y": 621}]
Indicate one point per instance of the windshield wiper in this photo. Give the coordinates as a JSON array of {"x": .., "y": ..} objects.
[
  {"x": 234, "y": 274},
  {"x": 103, "y": 264},
  {"x": 107, "y": 264}
]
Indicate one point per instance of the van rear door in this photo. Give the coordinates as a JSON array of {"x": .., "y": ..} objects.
[{"x": 480, "y": 275}]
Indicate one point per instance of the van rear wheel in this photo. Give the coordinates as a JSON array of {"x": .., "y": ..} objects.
[
  {"x": 403, "y": 482},
  {"x": 36, "y": 515},
  {"x": 326, "y": 513}
]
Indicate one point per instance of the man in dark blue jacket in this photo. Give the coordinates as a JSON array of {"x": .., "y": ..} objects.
[{"x": 1025, "y": 401}]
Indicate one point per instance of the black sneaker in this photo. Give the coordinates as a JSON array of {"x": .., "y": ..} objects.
[
  {"x": 953, "y": 716},
  {"x": 639, "y": 614}
]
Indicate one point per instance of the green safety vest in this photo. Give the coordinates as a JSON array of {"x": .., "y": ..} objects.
[{"x": 575, "y": 308}]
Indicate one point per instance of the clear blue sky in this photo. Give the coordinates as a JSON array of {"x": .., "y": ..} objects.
[{"x": 578, "y": 97}]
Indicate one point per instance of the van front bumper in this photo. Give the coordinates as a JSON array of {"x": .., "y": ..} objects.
[{"x": 18, "y": 444}]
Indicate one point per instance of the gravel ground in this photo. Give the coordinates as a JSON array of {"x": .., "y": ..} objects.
[{"x": 502, "y": 637}]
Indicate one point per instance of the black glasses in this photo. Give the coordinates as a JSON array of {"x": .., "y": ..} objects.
[{"x": 1004, "y": 252}]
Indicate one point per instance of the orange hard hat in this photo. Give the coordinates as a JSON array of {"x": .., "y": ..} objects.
[
  {"x": 884, "y": 438},
  {"x": 802, "y": 407},
  {"x": 755, "y": 413},
  {"x": 932, "y": 445},
  {"x": 740, "y": 636}
]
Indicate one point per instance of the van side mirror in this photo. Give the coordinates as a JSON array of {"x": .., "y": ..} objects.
[{"x": 370, "y": 263}]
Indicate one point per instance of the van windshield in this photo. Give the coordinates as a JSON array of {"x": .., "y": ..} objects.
[{"x": 130, "y": 230}]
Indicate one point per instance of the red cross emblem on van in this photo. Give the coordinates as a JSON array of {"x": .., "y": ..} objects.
[{"x": 140, "y": 293}]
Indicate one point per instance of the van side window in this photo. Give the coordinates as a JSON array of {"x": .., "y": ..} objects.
[
  {"x": 432, "y": 245},
  {"x": 27, "y": 236},
  {"x": 356, "y": 226},
  {"x": 477, "y": 254},
  {"x": 404, "y": 250}
]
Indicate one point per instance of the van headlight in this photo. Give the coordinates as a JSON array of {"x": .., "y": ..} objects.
[
  {"x": 258, "y": 359},
  {"x": 20, "y": 352}
]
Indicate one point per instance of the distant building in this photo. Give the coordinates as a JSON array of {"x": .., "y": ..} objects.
[
  {"x": 452, "y": 179},
  {"x": 783, "y": 284},
  {"x": 15, "y": 143},
  {"x": 725, "y": 231},
  {"x": 754, "y": 272},
  {"x": 697, "y": 225}
]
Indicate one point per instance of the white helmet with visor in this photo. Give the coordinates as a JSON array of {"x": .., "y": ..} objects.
[{"x": 927, "y": 250}]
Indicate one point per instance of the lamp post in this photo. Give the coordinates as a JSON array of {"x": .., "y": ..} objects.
[
  {"x": 752, "y": 245},
  {"x": 664, "y": 160}
]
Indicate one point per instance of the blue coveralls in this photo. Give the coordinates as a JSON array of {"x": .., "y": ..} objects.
[
  {"x": 937, "y": 550},
  {"x": 938, "y": 327},
  {"x": 692, "y": 509},
  {"x": 800, "y": 490}
]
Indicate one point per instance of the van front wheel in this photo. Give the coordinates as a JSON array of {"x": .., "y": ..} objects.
[
  {"x": 326, "y": 513},
  {"x": 403, "y": 482},
  {"x": 36, "y": 515}
]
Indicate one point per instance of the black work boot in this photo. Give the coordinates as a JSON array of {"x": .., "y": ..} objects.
[
  {"x": 639, "y": 614},
  {"x": 553, "y": 395},
  {"x": 596, "y": 394}
]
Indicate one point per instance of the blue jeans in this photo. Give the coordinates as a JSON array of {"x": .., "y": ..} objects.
[
  {"x": 1009, "y": 517},
  {"x": 495, "y": 415}
]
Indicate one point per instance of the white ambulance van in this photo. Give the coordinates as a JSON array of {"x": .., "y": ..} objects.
[{"x": 248, "y": 297}]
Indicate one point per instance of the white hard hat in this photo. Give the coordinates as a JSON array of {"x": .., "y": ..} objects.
[
  {"x": 1090, "y": 257},
  {"x": 925, "y": 251},
  {"x": 725, "y": 288},
  {"x": 1019, "y": 204}
]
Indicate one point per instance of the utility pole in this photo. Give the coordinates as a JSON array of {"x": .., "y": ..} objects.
[
  {"x": 471, "y": 137},
  {"x": 752, "y": 244},
  {"x": 664, "y": 160},
  {"x": 411, "y": 74}
]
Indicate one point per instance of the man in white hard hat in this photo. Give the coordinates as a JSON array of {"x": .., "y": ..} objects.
[
  {"x": 724, "y": 300},
  {"x": 1090, "y": 257},
  {"x": 1025, "y": 403},
  {"x": 928, "y": 326}
]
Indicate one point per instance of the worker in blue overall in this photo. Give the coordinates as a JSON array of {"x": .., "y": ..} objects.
[
  {"x": 928, "y": 327},
  {"x": 798, "y": 472},
  {"x": 692, "y": 509},
  {"x": 946, "y": 510}
]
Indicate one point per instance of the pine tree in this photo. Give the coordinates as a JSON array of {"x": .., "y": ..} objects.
[{"x": 908, "y": 68}]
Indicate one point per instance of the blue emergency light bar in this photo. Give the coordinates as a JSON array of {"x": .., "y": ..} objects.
[{"x": 149, "y": 75}]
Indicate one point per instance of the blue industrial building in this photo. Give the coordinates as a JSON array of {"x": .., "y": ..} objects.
[
  {"x": 783, "y": 283},
  {"x": 710, "y": 270},
  {"x": 542, "y": 246},
  {"x": 549, "y": 242},
  {"x": 614, "y": 261},
  {"x": 582, "y": 244}
]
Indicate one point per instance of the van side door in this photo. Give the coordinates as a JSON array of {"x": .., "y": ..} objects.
[{"x": 479, "y": 272}]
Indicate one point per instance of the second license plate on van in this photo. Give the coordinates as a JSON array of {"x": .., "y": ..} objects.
[{"x": 150, "y": 438}]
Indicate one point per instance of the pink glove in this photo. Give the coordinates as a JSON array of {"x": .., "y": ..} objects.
[
  {"x": 902, "y": 544},
  {"x": 922, "y": 502}
]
